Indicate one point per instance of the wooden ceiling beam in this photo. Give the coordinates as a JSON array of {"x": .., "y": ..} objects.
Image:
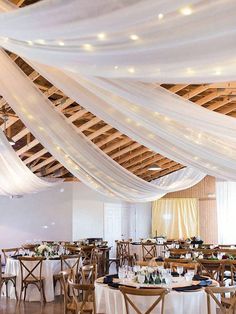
[
  {"x": 147, "y": 162},
  {"x": 136, "y": 156},
  {"x": 177, "y": 88},
  {"x": 162, "y": 163},
  {"x": 125, "y": 150},
  {"x": 196, "y": 91}
]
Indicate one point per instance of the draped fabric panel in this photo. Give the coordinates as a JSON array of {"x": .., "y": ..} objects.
[
  {"x": 226, "y": 211},
  {"x": 170, "y": 41},
  {"x": 70, "y": 147},
  {"x": 15, "y": 177},
  {"x": 175, "y": 218},
  {"x": 188, "y": 133}
]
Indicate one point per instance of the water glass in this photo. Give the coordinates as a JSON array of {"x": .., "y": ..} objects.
[
  {"x": 121, "y": 273},
  {"x": 180, "y": 270},
  {"x": 191, "y": 272},
  {"x": 141, "y": 278}
]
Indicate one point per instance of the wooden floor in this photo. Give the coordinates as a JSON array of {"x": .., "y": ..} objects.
[{"x": 8, "y": 306}]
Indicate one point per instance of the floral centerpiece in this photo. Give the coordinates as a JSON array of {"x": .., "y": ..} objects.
[
  {"x": 43, "y": 250},
  {"x": 148, "y": 240}
]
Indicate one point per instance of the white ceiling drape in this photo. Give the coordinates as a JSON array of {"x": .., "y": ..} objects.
[
  {"x": 164, "y": 41},
  {"x": 15, "y": 177},
  {"x": 162, "y": 121},
  {"x": 70, "y": 147}
]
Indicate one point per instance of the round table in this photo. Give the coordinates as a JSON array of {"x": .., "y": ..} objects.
[
  {"x": 49, "y": 268},
  {"x": 110, "y": 300}
]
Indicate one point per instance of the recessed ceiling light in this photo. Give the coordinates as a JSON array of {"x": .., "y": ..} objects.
[{"x": 154, "y": 168}]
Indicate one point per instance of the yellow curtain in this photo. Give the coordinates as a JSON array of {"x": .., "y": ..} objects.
[{"x": 175, "y": 218}]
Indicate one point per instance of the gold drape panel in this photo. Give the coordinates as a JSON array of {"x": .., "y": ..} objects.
[{"x": 175, "y": 218}]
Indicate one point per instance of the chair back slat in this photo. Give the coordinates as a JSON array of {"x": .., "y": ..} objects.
[
  {"x": 158, "y": 293},
  {"x": 226, "y": 304},
  {"x": 10, "y": 252},
  {"x": 87, "y": 291},
  {"x": 149, "y": 251},
  {"x": 29, "y": 269}
]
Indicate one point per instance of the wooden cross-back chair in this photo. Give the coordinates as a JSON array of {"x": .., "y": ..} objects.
[
  {"x": 229, "y": 265},
  {"x": 10, "y": 252},
  {"x": 212, "y": 268},
  {"x": 158, "y": 293},
  {"x": 5, "y": 279},
  {"x": 123, "y": 252},
  {"x": 87, "y": 253},
  {"x": 151, "y": 263},
  {"x": 31, "y": 274},
  {"x": 68, "y": 262},
  {"x": 186, "y": 266},
  {"x": 89, "y": 274},
  {"x": 83, "y": 297},
  {"x": 68, "y": 304},
  {"x": 179, "y": 251},
  {"x": 149, "y": 251},
  {"x": 227, "y": 305}
]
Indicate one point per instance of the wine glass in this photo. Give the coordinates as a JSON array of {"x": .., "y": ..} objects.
[
  {"x": 141, "y": 278},
  {"x": 121, "y": 273},
  {"x": 154, "y": 276},
  {"x": 136, "y": 268},
  {"x": 180, "y": 270}
]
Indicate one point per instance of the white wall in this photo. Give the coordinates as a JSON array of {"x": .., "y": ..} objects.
[
  {"x": 70, "y": 211},
  {"x": 22, "y": 219},
  {"x": 88, "y": 215}
]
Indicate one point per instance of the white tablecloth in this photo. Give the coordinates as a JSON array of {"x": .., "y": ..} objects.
[
  {"x": 111, "y": 301},
  {"x": 49, "y": 268}
]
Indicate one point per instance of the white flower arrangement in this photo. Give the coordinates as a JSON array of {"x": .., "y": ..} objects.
[{"x": 40, "y": 250}]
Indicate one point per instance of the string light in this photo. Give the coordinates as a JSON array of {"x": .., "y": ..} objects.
[
  {"x": 116, "y": 67},
  {"x": 101, "y": 36},
  {"x": 40, "y": 41},
  {"x": 160, "y": 16},
  {"x": 30, "y": 43},
  {"x": 131, "y": 70},
  {"x": 88, "y": 47},
  {"x": 30, "y": 116},
  {"x": 218, "y": 71},
  {"x": 61, "y": 43},
  {"x": 190, "y": 71},
  {"x": 186, "y": 11},
  {"x": 134, "y": 37}
]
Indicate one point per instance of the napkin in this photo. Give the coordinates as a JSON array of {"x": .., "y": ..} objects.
[
  {"x": 174, "y": 274},
  {"x": 113, "y": 285},
  {"x": 109, "y": 278},
  {"x": 198, "y": 277},
  {"x": 205, "y": 283},
  {"x": 16, "y": 256},
  {"x": 187, "y": 288}
]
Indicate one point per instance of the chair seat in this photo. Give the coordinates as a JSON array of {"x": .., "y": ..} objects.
[
  {"x": 8, "y": 276},
  {"x": 34, "y": 279}
]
